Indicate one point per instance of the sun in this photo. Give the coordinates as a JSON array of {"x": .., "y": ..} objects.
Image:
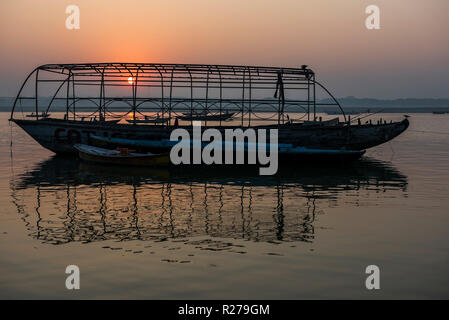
[
  {"x": 129, "y": 116},
  {"x": 130, "y": 80}
]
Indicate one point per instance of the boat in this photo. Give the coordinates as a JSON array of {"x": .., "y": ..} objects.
[
  {"x": 351, "y": 112},
  {"x": 164, "y": 145},
  {"x": 439, "y": 112},
  {"x": 121, "y": 156},
  {"x": 206, "y": 117},
  {"x": 42, "y": 115},
  {"x": 158, "y": 146},
  {"x": 103, "y": 121},
  {"x": 149, "y": 120},
  {"x": 233, "y": 97}
]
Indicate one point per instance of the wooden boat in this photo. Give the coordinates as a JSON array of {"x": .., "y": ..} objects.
[
  {"x": 42, "y": 115},
  {"x": 206, "y": 117},
  {"x": 175, "y": 91},
  {"x": 283, "y": 149},
  {"x": 150, "y": 120},
  {"x": 120, "y": 157},
  {"x": 101, "y": 121},
  {"x": 112, "y": 142}
]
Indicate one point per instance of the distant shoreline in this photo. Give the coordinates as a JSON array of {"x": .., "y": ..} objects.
[
  {"x": 351, "y": 105},
  {"x": 330, "y": 111}
]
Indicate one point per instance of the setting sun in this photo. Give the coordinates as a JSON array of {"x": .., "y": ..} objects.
[{"x": 130, "y": 80}]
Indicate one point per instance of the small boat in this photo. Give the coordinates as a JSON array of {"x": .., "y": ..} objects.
[
  {"x": 439, "y": 112},
  {"x": 153, "y": 146},
  {"x": 122, "y": 156},
  {"x": 42, "y": 115},
  {"x": 95, "y": 120},
  {"x": 150, "y": 120},
  {"x": 284, "y": 150},
  {"x": 206, "y": 117}
]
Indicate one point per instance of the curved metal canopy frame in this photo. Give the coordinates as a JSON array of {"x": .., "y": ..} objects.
[{"x": 249, "y": 89}]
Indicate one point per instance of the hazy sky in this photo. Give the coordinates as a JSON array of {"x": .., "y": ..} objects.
[{"x": 407, "y": 57}]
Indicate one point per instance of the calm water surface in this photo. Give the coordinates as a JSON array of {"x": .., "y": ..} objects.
[{"x": 308, "y": 232}]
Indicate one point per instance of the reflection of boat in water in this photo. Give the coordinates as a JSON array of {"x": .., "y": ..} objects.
[
  {"x": 64, "y": 200},
  {"x": 120, "y": 157}
]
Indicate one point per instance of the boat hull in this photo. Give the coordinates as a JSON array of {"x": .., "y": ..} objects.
[{"x": 59, "y": 136}]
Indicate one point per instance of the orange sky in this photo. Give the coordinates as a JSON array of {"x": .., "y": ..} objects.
[{"x": 328, "y": 35}]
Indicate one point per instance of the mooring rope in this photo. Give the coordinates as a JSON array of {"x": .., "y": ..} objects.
[{"x": 10, "y": 136}]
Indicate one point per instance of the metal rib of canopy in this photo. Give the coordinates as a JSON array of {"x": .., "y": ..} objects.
[{"x": 112, "y": 90}]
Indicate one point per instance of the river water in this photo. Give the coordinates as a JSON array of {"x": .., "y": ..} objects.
[{"x": 308, "y": 232}]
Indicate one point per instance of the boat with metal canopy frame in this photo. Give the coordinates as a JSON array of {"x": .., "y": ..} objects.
[{"x": 257, "y": 97}]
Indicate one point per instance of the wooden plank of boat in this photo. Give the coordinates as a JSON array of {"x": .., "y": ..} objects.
[{"x": 106, "y": 156}]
